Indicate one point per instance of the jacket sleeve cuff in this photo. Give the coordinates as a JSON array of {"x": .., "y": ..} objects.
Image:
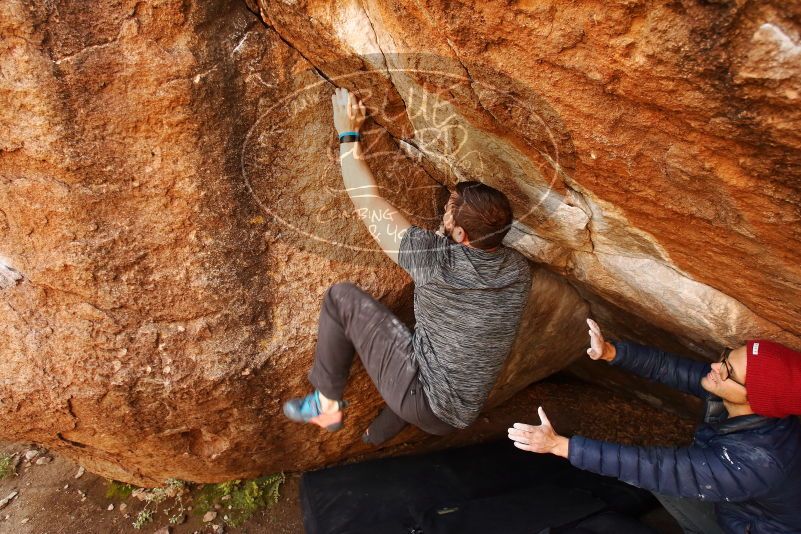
[
  {"x": 620, "y": 352},
  {"x": 575, "y": 451},
  {"x": 595, "y": 456}
]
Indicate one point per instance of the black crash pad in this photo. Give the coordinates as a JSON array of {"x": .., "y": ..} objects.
[{"x": 488, "y": 488}]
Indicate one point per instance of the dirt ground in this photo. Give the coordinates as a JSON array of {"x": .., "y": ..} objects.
[{"x": 51, "y": 500}]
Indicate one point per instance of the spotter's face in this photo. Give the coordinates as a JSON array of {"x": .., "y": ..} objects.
[{"x": 724, "y": 384}]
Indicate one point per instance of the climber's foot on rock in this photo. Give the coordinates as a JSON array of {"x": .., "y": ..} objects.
[
  {"x": 308, "y": 410},
  {"x": 384, "y": 427}
]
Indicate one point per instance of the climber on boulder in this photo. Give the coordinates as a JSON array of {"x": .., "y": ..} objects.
[
  {"x": 742, "y": 473},
  {"x": 469, "y": 296}
]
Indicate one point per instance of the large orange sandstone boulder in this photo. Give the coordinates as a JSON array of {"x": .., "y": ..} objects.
[
  {"x": 171, "y": 213},
  {"x": 171, "y": 208}
]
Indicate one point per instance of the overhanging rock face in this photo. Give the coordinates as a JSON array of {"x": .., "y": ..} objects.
[
  {"x": 171, "y": 208},
  {"x": 654, "y": 148}
]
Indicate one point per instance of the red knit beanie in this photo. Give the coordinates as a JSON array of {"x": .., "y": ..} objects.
[{"x": 773, "y": 378}]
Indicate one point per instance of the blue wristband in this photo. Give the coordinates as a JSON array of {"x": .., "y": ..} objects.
[{"x": 343, "y": 134}]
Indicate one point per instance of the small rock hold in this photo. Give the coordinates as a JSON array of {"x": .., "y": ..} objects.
[
  {"x": 31, "y": 454},
  {"x": 24, "y": 520},
  {"x": 66, "y": 486},
  {"x": 110, "y": 507},
  {"x": 123, "y": 506},
  {"x": 80, "y": 472},
  {"x": 209, "y": 516},
  {"x": 217, "y": 529},
  {"x": 44, "y": 460}
]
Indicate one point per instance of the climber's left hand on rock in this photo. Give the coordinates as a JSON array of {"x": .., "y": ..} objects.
[{"x": 349, "y": 112}]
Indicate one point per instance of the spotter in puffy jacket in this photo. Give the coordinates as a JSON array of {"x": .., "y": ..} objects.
[{"x": 742, "y": 473}]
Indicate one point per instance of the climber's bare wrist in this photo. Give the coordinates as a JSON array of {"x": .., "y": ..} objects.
[{"x": 353, "y": 148}]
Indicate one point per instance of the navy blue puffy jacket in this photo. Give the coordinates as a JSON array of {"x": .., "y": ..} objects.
[{"x": 749, "y": 466}]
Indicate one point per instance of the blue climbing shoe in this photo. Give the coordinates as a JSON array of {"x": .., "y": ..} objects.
[{"x": 307, "y": 410}]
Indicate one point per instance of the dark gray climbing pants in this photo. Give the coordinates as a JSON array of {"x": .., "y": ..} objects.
[{"x": 353, "y": 321}]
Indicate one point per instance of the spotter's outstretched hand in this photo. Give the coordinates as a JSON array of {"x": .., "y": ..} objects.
[
  {"x": 599, "y": 348},
  {"x": 539, "y": 438}
]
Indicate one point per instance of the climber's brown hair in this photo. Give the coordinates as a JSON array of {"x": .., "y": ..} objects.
[{"x": 483, "y": 212}]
